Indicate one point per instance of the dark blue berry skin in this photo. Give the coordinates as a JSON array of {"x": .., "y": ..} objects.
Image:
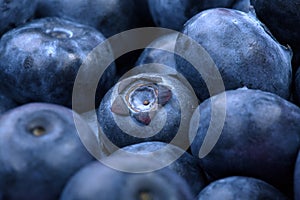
[
  {"x": 15, "y": 12},
  {"x": 143, "y": 13},
  {"x": 243, "y": 50},
  {"x": 97, "y": 181},
  {"x": 109, "y": 17},
  {"x": 174, "y": 13},
  {"x": 242, "y": 188},
  {"x": 296, "y": 96},
  {"x": 296, "y": 59},
  {"x": 146, "y": 107},
  {"x": 282, "y": 18},
  {"x": 186, "y": 165},
  {"x": 260, "y": 137},
  {"x": 297, "y": 178},
  {"x": 39, "y": 150},
  {"x": 40, "y": 60},
  {"x": 242, "y": 5},
  {"x": 6, "y": 103},
  {"x": 120, "y": 138},
  {"x": 152, "y": 54}
]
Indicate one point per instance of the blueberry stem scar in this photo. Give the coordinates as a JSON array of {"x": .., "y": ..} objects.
[
  {"x": 38, "y": 131},
  {"x": 145, "y": 196}
]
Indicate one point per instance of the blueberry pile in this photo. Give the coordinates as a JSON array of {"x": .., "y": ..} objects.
[{"x": 149, "y": 99}]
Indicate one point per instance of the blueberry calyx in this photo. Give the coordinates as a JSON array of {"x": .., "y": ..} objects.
[
  {"x": 38, "y": 131},
  {"x": 144, "y": 101},
  {"x": 164, "y": 95},
  {"x": 143, "y": 98},
  {"x": 119, "y": 107},
  {"x": 141, "y": 101}
]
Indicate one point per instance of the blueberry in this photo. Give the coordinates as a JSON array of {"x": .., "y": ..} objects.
[
  {"x": 282, "y": 18},
  {"x": 126, "y": 62},
  {"x": 296, "y": 59},
  {"x": 153, "y": 53},
  {"x": 260, "y": 137},
  {"x": 39, "y": 150},
  {"x": 97, "y": 181},
  {"x": 6, "y": 103},
  {"x": 109, "y": 17},
  {"x": 174, "y": 13},
  {"x": 242, "y": 188},
  {"x": 15, "y": 12},
  {"x": 147, "y": 107},
  {"x": 243, "y": 50},
  {"x": 242, "y": 5},
  {"x": 39, "y": 61},
  {"x": 297, "y": 178},
  {"x": 174, "y": 158}
]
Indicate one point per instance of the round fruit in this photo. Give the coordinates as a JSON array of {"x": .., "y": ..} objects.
[
  {"x": 14, "y": 13},
  {"x": 171, "y": 157},
  {"x": 242, "y": 188},
  {"x": 6, "y": 103},
  {"x": 39, "y": 150},
  {"x": 282, "y": 18},
  {"x": 260, "y": 137},
  {"x": 39, "y": 61},
  {"x": 147, "y": 107},
  {"x": 109, "y": 17},
  {"x": 155, "y": 54},
  {"x": 97, "y": 181},
  {"x": 174, "y": 13},
  {"x": 243, "y": 51}
]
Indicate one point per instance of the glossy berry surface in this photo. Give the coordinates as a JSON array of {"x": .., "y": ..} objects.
[
  {"x": 6, "y": 103},
  {"x": 109, "y": 17},
  {"x": 154, "y": 53},
  {"x": 282, "y": 18},
  {"x": 160, "y": 112},
  {"x": 39, "y": 151},
  {"x": 255, "y": 139},
  {"x": 13, "y": 13},
  {"x": 243, "y": 188},
  {"x": 89, "y": 183},
  {"x": 242, "y": 49},
  {"x": 184, "y": 164},
  {"x": 174, "y": 13},
  {"x": 39, "y": 61}
]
